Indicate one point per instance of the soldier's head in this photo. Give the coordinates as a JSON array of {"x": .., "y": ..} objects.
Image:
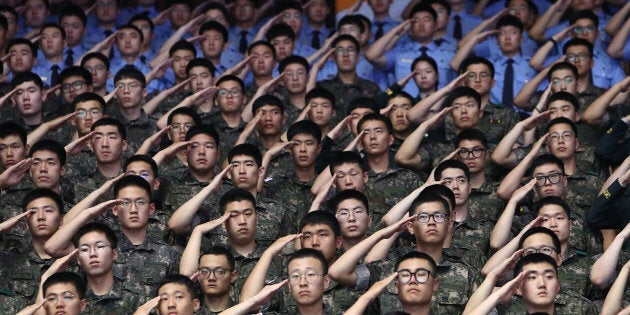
[
  {"x": 46, "y": 212},
  {"x": 246, "y": 161},
  {"x": 432, "y": 225},
  {"x": 377, "y": 135},
  {"x": 282, "y": 37},
  {"x": 129, "y": 40},
  {"x": 563, "y": 77},
  {"x": 136, "y": 207},
  {"x": 455, "y": 176},
  {"x": 144, "y": 166},
  {"x": 74, "y": 80},
  {"x": 295, "y": 69},
  {"x": 241, "y": 225},
  {"x": 541, "y": 285},
  {"x": 423, "y": 25},
  {"x": 322, "y": 108},
  {"x": 317, "y": 12},
  {"x": 180, "y": 121},
  {"x": 109, "y": 141},
  {"x": 146, "y": 26},
  {"x": 291, "y": 14},
  {"x": 203, "y": 152},
  {"x": 321, "y": 231},
  {"x": 264, "y": 58},
  {"x": 182, "y": 52},
  {"x": 548, "y": 170},
  {"x": 466, "y": 103},
  {"x": 443, "y": 10},
  {"x": 98, "y": 66},
  {"x": 510, "y": 35},
  {"x": 305, "y": 136},
  {"x": 217, "y": 272},
  {"x": 106, "y": 11},
  {"x": 481, "y": 76},
  {"x": 13, "y": 146},
  {"x": 349, "y": 170},
  {"x": 524, "y": 10},
  {"x": 443, "y": 192},
  {"x": 131, "y": 87},
  {"x": 556, "y": 214},
  {"x": 401, "y": 102},
  {"x": 563, "y": 104},
  {"x": 353, "y": 26},
  {"x": 541, "y": 240},
  {"x": 29, "y": 96},
  {"x": 417, "y": 279},
  {"x": 358, "y": 108},
  {"x": 97, "y": 244},
  {"x": 177, "y": 295},
  {"x": 308, "y": 276},
  {"x": 49, "y": 164},
  {"x": 473, "y": 149},
  {"x": 52, "y": 40},
  {"x": 230, "y": 96},
  {"x": 347, "y": 53},
  {"x": 353, "y": 214},
  {"x": 216, "y": 12},
  {"x": 579, "y": 52},
  {"x": 216, "y": 35},
  {"x": 271, "y": 111},
  {"x": 562, "y": 141},
  {"x": 23, "y": 55},
  {"x": 90, "y": 107},
  {"x": 426, "y": 74},
  {"x": 586, "y": 25},
  {"x": 12, "y": 18},
  {"x": 201, "y": 70},
  {"x": 64, "y": 293}
]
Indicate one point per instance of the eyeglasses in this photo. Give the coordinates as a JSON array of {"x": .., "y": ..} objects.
[
  {"x": 225, "y": 93},
  {"x": 99, "y": 68},
  {"x": 557, "y": 82},
  {"x": 421, "y": 275},
  {"x": 66, "y": 297},
  {"x": 553, "y": 178},
  {"x": 140, "y": 204},
  {"x": 299, "y": 74},
  {"x": 518, "y": 8},
  {"x": 482, "y": 76},
  {"x": 310, "y": 277},
  {"x": 143, "y": 174},
  {"x": 218, "y": 272},
  {"x": 566, "y": 136},
  {"x": 476, "y": 152},
  {"x": 583, "y": 29},
  {"x": 98, "y": 247},
  {"x": 437, "y": 217},
  {"x": 82, "y": 113},
  {"x": 175, "y": 128},
  {"x": 350, "y": 51},
  {"x": 130, "y": 86},
  {"x": 345, "y": 213},
  {"x": 77, "y": 85},
  {"x": 289, "y": 16},
  {"x": 106, "y": 4},
  {"x": 580, "y": 56},
  {"x": 545, "y": 249}
]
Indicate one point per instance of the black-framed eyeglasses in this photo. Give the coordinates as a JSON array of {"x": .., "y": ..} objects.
[
  {"x": 476, "y": 152},
  {"x": 77, "y": 85},
  {"x": 218, "y": 272},
  {"x": 437, "y": 217},
  {"x": 545, "y": 249},
  {"x": 553, "y": 178},
  {"x": 421, "y": 275}
]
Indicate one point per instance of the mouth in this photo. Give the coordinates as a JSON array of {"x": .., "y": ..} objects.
[
  {"x": 134, "y": 219},
  {"x": 42, "y": 226},
  {"x": 304, "y": 292},
  {"x": 94, "y": 263},
  {"x": 303, "y": 158},
  {"x": 202, "y": 161},
  {"x": 353, "y": 228},
  {"x": 43, "y": 178}
]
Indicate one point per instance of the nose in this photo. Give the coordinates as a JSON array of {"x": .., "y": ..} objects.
[
  {"x": 171, "y": 303},
  {"x": 241, "y": 219},
  {"x": 40, "y": 215},
  {"x": 241, "y": 169},
  {"x": 302, "y": 147},
  {"x": 43, "y": 167},
  {"x": 348, "y": 180},
  {"x": 303, "y": 281}
]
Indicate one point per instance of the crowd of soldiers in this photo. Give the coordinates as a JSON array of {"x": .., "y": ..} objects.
[{"x": 238, "y": 157}]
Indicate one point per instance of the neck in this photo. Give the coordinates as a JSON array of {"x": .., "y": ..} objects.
[
  {"x": 583, "y": 82},
  {"x": 107, "y": 25},
  {"x": 433, "y": 250},
  {"x": 347, "y": 77},
  {"x": 461, "y": 212},
  {"x": 216, "y": 303},
  {"x": 215, "y": 60},
  {"x": 313, "y": 309},
  {"x": 477, "y": 180},
  {"x": 109, "y": 170},
  {"x": 350, "y": 242},
  {"x": 101, "y": 285},
  {"x": 381, "y": 16},
  {"x": 485, "y": 99},
  {"x": 510, "y": 54},
  {"x": 203, "y": 176},
  {"x": 102, "y": 91},
  {"x": 379, "y": 163},
  {"x": 305, "y": 174},
  {"x": 130, "y": 59},
  {"x": 439, "y": 33},
  {"x": 137, "y": 236},
  {"x": 316, "y": 25},
  {"x": 569, "y": 166},
  {"x": 269, "y": 140},
  {"x": 55, "y": 59},
  {"x": 33, "y": 120},
  {"x": 232, "y": 119},
  {"x": 298, "y": 100},
  {"x": 564, "y": 248},
  {"x": 38, "y": 245},
  {"x": 260, "y": 80},
  {"x": 325, "y": 130},
  {"x": 426, "y": 41},
  {"x": 204, "y": 107},
  {"x": 243, "y": 249},
  {"x": 245, "y": 25},
  {"x": 131, "y": 113},
  {"x": 424, "y": 309},
  {"x": 531, "y": 309}
]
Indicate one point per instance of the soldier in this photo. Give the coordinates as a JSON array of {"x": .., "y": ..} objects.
[
  {"x": 262, "y": 64},
  {"x": 294, "y": 88},
  {"x": 90, "y": 107},
  {"x": 179, "y": 122},
  {"x": 64, "y": 292},
  {"x": 98, "y": 65},
  {"x": 74, "y": 81},
  {"x": 28, "y": 99},
  {"x": 218, "y": 273},
  {"x": 353, "y": 214},
  {"x": 308, "y": 278}
]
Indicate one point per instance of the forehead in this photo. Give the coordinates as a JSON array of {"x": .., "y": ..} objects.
[
  {"x": 320, "y": 100},
  {"x": 27, "y": 85},
  {"x": 423, "y": 64},
  {"x": 215, "y": 13},
  {"x": 361, "y": 111},
  {"x": 470, "y": 143},
  {"x": 350, "y": 203},
  {"x": 239, "y": 205},
  {"x": 539, "y": 267},
  {"x": 183, "y": 52},
  {"x": 172, "y": 287},
  {"x": 312, "y": 228},
  {"x": 44, "y": 154},
  {"x": 261, "y": 49},
  {"x": 422, "y": 15},
  {"x": 561, "y": 73},
  {"x": 51, "y": 30},
  {"x": 292, "y": 11},
  {"x": 128, "y": 30},
  {"x": 182, "y": 118},
  {"x": 303, "y": 137},
  {"x": 229, "y": 84},
  {"x": 241, "y": 158},
  {"x": 373, "y": 123},
  {"x": 88, "y": 104},
  {"x": 551, "y": 209},
  {"x": 268, "y": 107},
  {"x": 132, "y": 191},
  {"x": 93, "y": 235},
  {"x": 560, "y": 128},
  {"x": 585, "y": 22},
  {"x": 560, "y": 103},
  {"x": 295, "y": 66},
  {"x": 107, "y": 129},
  {"x": 20, "y": 47},
  {"x": 139, "y": 165},
  {"x": 547, "y": 168},
  {"x": 281, "y": 38},
  {"x": 464, "y": 100},
  {"x": 538, "y": 239},
  {"x": 305, "y": 263},
  {"x": 93, "y": 62},
  {"x": 61, "y": 287},
  {"x": 128, "y": 80},
  {"x": 140, "y": 23},
  {"x": 510, "y": 28},
  {"x": 42, "y": 202},
  {"x": 213, "y": 260},
  {"x": 414, "y": 263},
  {"x": 347, "y": 167},
  {"x": 72, "y": 79},
  {"x": 478, "y": 67},
  {"x": 202, "y": 137},
  {"x": 400, "y": 100},
  {"x": 453, "y": 172},
  {"x": 11, "y": 139},
  {"x": 198, "y": 69},
  {"x": 577, "y": 49},
  {"x": 344, "y": 44},
  {"x": 430, "y": 207}
]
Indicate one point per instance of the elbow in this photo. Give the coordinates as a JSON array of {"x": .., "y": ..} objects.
[{"x": 599, "y": 281}]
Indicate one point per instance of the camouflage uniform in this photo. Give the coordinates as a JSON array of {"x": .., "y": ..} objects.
[
  {"x": 580, "y": 193},
  {"x": 204, "y": 310},
  {"x": 121, "y": 299},
  {"x": 473, "y": 234},
  {"x": 11, "y": 199},
  {"x": 574, "y": 275},
  {"x": 138, "y": 130},
  {"x": 483, "y": 203},
  {"x": 169, "y": 103},
  {"x": 566, "y": 303},
  {"x": 147, "y": 263},
  {"x": 227, "y": 134},
  {"x": 86, "y": 185},
  {"x": 182, "y": 190},
  {"x": 80, "y": 165},
  {"x": 290, "y": 191},
  {"x": 345, "y": 93}
]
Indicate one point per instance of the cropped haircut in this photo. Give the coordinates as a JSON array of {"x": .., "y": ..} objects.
[
  {"x": 133, "y": 181},
  {"x": 22, "y": 41},
  {"x": 108, "y": 121},
  {"x": 178, "y": 279},
  {"x": 262, "y": 43},
  {"x": 474, "y": 60},
  {"x": 66, "y": 277},
  {"x": 351, "y": 20},
  {"x": 564, "y": 96},
  {"x": 578, "y": 42},
  {"x": 203, "y": 129},
  {"x": 182, "y": 44},
  {"x": 378, "y": 117},
  {"x": 184, "y": 111},
  {"x": 402, "y": 94},
  {"x": 132, "y": 27},
  {"x": 443, "y": 191},
  {"x": 288, "y": 4},
  {"x": 471, "y": 134},
  {"x": 291, "y": 60},
  {"x": 323, "y": 218},
  {"x": 76, "y": 71},
  {"x": 510, "y": 20},
  {"x": 305, "y": 127},
  {"x": 462, "y": 91},
  {"x": 10, "y": 128},
  {"x": 545, "y": 159},
  {"x": 87, "y": 97},
  {"x": 426, "y": 198},
  {"x": 362, "y": 102},
  {"x": 267, "y": 99},
  {"x": 414, "y": 254},
  {"x": 540, "y": 230},
  {"x": 95, "y": 55},
  {"x": 553, "y": 200},
  {"x": 310, "y": 253},
  {"x": 230, "y": 77},
  {"x": 53, "y": 25},
  {"x": 278, "y": 30},
  {"x": 347, "y": 37},
  {"x": 451, "y": 164},
  {"x": 349, "y": 194},
  {"x": 235, "y": 195},
  {"x": 563, "y": 65},
  {"x": 584, "y": 14},
  {"x": 143, "y": 158},
  {"x": 246, "y": 149},
  {"x": 130, "y": 72},
  {"x": 346, "y": 157},
  {"x": 423, "y": 7},
  {"x": 27, "y": 77},
  {"x": 38, "y": 193},
  {"x": 562, "y": 120},
  {"x": 143, "y": 18},
  {"x": 214, "y": 26},
  {"x": 200, "y": 62},
  {"x": 320, "y": 92},
  {"x": 534, "y": 258},
  {"x": 99, "y": 227},
  {"x": 216, "y": 6},
  {"x": 219, "y": 251},
  {"x": 52, "y": 146}
]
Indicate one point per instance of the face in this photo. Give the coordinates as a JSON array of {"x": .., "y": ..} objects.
[
  {"x": 357, "y": 114},
  {"x": 214, "y": 285},
  {"x": 555, "y": 219},
  {"x": 307, "y": 291},
  {"x": 293, "y": 18},
  {"x": 262, "y": 63},
  {"x": 179, "y": 126},
  {"x": 21, "y": 58},
  {"x": 352, "y": 30},
  {"x": 586, "y": 29},
  {"x": 442, "y": 16},
  {"x": 413, "y": 292},
  {"x": 241, "y": 225},
  {"x": 398, "y": 114},
  {"x": 480, "y": 78},
  {"x": 422, "y": 26},
  {"x": 346, "y": 56},
  {"x": 51, "y": 42},
  {"x": 128, "y": 42},
  {"x": 430, "y": 232},
  {"x": 580, "y": 57},
  {"x": 46, "y": 219},
  {"x": 295, "y": 78},
  {"x": 549, "y": 188},
  {"x": 73, "y": 86},
  {"x": 202, "y": 153},
  {"x": 583, "y": 5},
  {"x": 28, "y": 99},
  {"x": 217, "y": 16},
  {"x": 321, "y": 238},
  {"x": 562, "y": 141},
  {"x": 350, "y": 176},
  {"x": 12, "y": 150},
  {"x": 244, "y": 10},
  {"x": 12, "y": 23},
  {"x": 176, "y": 299},
  {"x": 541, "y": 242},
  {"x": 35, "y": 13},
  {"x": 213, "y": 44},
  {"x": 541, "y": 285},
  {"x": 456, "y": 180},
  {"x": 353, "y": 219},
  {"x": 245, "y": 172},
  {"x": 99, "y": 72},
  {"x": 147, "y": 33},
  {"x": 133, "y": 213},
  {"x": 473, "y": 154},
  {"x": 201, "y": 78},
  {"x": 466, "y": 113},
  {"x": 425, "y": 77},
  {"x": 108, "y": 145},
  {"x": 96, "y": 255},
  {"x": 563, "y": 80},
  {"x": 376, "y": 139},
  {"x": 317, "y": 11},
  {"x": 143, "y": 169},
  {"x": 46, "y": 169},
  {"x": 180, "y": 15},
  {"x": 380, "y": 6},
  {"x": 321, "y": 111},
  {"x": 271, "y": 121},
  {"x": 520, "y": 9},
  {"x": 562, "y": 108},
  {"x": 509, "y": 39},
  {"x": 283, "y": 46},
  {"x": 130, "y": 93},
  {"x": 89, "y": 113},
  {"x": 234, "y": 100},
  {"x": 181, "y": 58},
  {"x": 106, "y": 11},
  {"x": 305, "y": 150},
  {"x": 63, "y": 298}
]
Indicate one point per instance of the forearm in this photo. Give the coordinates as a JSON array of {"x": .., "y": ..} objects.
[
  {"x": 538, "y": 59},
  {"x": 380, "y": 250},
  {"x": 359, "y": 307},
  {"x": 480, "y": 295},
  {"x": 399, "y": 210},
  {"x": 150, "y": 106},
  {"x": 537, "y": 31},
  {"x": 503, "y": 154},
  {"x": 60, "y": 243},
  {"x": 617, "y": 20},
  {"x": 182, "y": 218},
  {"x": 342, "y": 270},
  {"x": 419, "y": 111},
  {"x": 521, "y": 100},
  {"x": 190, "y": 258},
  {"x": 614, "y": 298},
  {"x": 501, "y": 255},
  {"x": 407, "y": 154},
  {"x": 256, "y": 279},
  {"x": 502, "y": 229},
  {"x": 462, "y": 54},
  {"x": 513, "y": 179},
  {"x": 603, "y": 269},
  {"x": 594, "y": 112}
]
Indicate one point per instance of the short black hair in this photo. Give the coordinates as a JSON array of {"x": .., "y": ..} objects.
[
  {"x": 246, "y": 149},
  {"x": 584, "y": 14},
  {"x": 474, "y": 60},
  {"x": 281, "y": 29},
  {"x": 87, "y": 97},
  {"x": 182, "y": 44},
  {"x": 428, "y": 60},
  {"x": 267, "y": 99},
  {"x": 203, "y": 129},
  {"x": 53, "y": 25},
  {"x": 52, "y": 146},
  {"x": 95, "y": 55},
  {"x": 442, "y": 191},
  {"x": 288, "y": 4},
  {"x": 426, "y": 198},
  {"x": 562, "y": 120},
  {"x": 184, "y": 111},
  {"x": 577, "y": 42},
  {"x": 96, "y": 227},
  {"x": 451, "y": 164},
  {"x": 219, "y": 251},
  {"x": 131, "y": 72},
  {"x": 320, "y": 92},
  {"x": 321, "y": 217},
  {"x": 66, "y": 277},
  {"x": 144, "y": 18},
  {"x": 76, "y": 71},
  {"x": 3, "y": 22},
  {"x": 38, "y": 193},
  {"x": 351, "y": 20},
  {"x": 423, "y": 7},
  {"x": 178, "y": 279},
  {"x": 143, "y": 158},
  {"x": 214, "y": 26},
  {"x": 462, "y": 91},
  {"x": 133, "y": 181},
  {"x": 349, "y": 194},
  {"x": 132, "y": 27},
  {"x": 414, "y": 254},
  {"x": 362, "y": 102},
  {"x": 553, "y": 200},
  {"x": 471, "y": 134},
  {"x": 541, "y": 230},
  {"x": 564, "y": 96},
  {"x": 443, "y": 3},
  {"x": 305, "y": 127},
  {"x": 230, "y": 77},
  {"x": 378, "y": 117},
  {"x": 545, "y": 159},
  {"x": 310, "y": 253},
  {"x": 291, "y": 60},
  {"x": 236, "y": 194},
  {"x": 347, "y": 37},
  {"x": 216, "y": 6},
  {"x": 563, "y": 65},
  {"x": 108, "y": 121},
  {"x": 22, "y": 41},
  {"x": 10, "y": 128},
  {"x": 346, "y": 157},
  {"x": 510, "y": 20},
  {"x": 27, "y": 77},
  {"x": 261, "y": 43},
  {"x": 534, "y": 259},
  {"x": 200, "y": 62}
]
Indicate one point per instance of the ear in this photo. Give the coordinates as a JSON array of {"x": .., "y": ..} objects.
[
  {"x": 196, "y": 304},
  {"x": 369, "y": 220},
  {"x": 410, "y": 228},
  {"x": 390, "y": 140},
  {"x": 261, "y": 171},
  {"x": 436, "y": 284},
  {"x": 83, "y": 305},
  {"x": 62, "y": 170},
  {"x": 366, "y": 177},
  {"x": 234, "y": 276},
  {"x": 73, "y": 121},
  {"x": 319, "y": 149},
  {"x": 144, "y": 92},
  {"x": 156, "y": 186},
  {"x": 115, "y": 255},
  {"x": 125, "y": 144},
  {"x": 326, "y": 281},
  {"x": 152, "y": 209},
  {"x": 560, "y": 259},
  {"x": 115, "y": 211},
  {"x": 493, "y": 82},
  {"x": 338, "y": 242}
]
